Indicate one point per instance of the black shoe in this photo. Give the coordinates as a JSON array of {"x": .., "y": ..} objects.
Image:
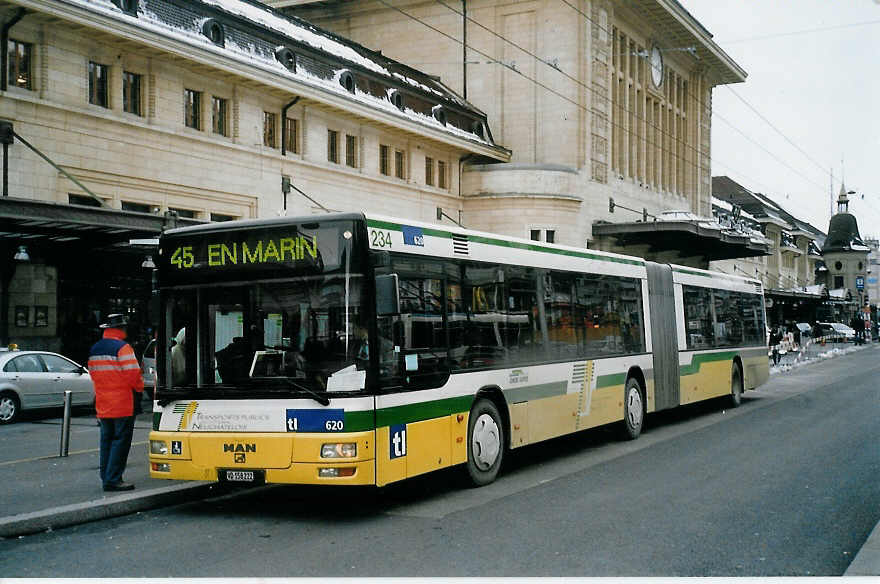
[{"x": 119, "y": 487}]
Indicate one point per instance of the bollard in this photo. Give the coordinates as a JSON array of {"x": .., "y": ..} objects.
[{"x": 65, "y": 423}]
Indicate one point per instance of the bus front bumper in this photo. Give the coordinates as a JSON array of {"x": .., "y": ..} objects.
[{"x": 261, "y": 457}]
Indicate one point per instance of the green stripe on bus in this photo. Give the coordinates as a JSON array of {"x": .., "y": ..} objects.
[
  {"x": 511, "y": 244},
  {"x": 610, "y": 380},
  {"x": 409, "y": 413},
  {"x": 360, "y": 421},
  {"x": 698, "y": 360},
  {"x": 537, "y": 391},
  {"x": 157, "y": 417},
  {"x": 693, "y": 368}
]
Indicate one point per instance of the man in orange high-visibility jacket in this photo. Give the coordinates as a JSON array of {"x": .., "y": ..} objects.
[{"x": 118, "y": 382}]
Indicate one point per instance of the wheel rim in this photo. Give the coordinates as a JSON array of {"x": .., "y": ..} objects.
[
  {"x": 634, "y": 407},
  {"x": 7, "y": 408},
  {"x": 485, "y": 442}
]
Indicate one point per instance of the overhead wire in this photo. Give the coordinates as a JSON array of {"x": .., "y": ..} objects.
[
  {"x": 715, "y": 113},
  {"x": 609, "y": 99},
  {"x": 673, "y": 153},
  {"x": 799, "y": 32}
]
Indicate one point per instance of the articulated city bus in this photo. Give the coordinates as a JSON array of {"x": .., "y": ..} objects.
[{"x": 363, "y": 350}]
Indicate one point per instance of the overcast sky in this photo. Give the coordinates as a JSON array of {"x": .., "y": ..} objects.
[{"x": 814, "y": 74}]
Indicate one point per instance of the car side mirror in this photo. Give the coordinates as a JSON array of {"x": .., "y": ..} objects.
[
  {"x": 387, "y": 295},
  {"x": 82, "y": 370}
]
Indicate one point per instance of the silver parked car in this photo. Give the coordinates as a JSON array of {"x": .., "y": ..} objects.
[
  {"x": 148, "y": 364},
  {"x": 38, "y": 379}
]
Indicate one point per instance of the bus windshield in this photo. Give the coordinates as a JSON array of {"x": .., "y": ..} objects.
[{"x": 299, "y": 334}]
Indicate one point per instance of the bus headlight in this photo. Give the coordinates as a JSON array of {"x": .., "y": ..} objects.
[
  {"x": 158, "y": 447},
  {"x": 339, "y": 450}
]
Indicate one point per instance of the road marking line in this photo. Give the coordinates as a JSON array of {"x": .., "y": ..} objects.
[{"x": 8, "y": 462}]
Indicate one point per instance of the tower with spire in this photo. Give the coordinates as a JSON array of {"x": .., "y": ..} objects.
[{"x": 846, "y": 258}]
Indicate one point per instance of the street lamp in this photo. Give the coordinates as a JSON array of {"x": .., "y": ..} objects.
[{"x": 21, "y": 255}]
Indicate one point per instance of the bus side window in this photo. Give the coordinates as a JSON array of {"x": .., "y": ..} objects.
[
  {"x": 699, "y": 321},
  {"x": 418, "y": 334}
]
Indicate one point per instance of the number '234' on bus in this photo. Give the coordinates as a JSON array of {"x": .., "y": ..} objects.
[{"x": 362, "y": 350}]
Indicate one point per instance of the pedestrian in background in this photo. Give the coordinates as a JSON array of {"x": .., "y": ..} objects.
[
  {"x": 775, "y": 338},
  {"x": 118, "y": 385}
]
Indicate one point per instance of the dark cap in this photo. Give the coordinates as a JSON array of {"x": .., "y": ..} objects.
[{"x": 115, "y": 321}]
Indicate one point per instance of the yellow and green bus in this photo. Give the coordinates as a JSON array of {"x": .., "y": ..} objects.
[{"x": 353, "y": 349}]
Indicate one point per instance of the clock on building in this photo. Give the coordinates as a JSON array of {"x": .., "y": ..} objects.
[{"x": 656, "y": 66}]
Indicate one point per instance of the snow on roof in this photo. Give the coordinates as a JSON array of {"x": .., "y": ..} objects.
[{"x": 184, "y": 23}]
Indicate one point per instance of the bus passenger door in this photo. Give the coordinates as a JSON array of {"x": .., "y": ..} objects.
[{"x": 664, "y": 336}]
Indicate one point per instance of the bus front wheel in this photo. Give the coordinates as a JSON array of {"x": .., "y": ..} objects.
[
  {"x": 485, "y": 443},
  {"x": 633, "y": 409},
  {"x": 736, "y": 387}
]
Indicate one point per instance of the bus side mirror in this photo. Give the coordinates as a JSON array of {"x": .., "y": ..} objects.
[{"x": 387, "y": 295}]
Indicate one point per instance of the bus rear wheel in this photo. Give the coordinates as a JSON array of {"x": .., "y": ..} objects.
[
  {"x": 736, "y": 387},
  {"x": 485, "y": 443},
  {"x": 633, "y": 409}
]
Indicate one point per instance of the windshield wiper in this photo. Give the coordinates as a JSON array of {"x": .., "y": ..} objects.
[{"x": 321, "y": 399}]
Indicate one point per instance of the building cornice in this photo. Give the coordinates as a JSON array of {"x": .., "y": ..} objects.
[{"x": 251, "y": 71}]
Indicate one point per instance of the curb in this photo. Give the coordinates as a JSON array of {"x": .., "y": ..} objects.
[
  {"x": 867, "y": 561},
  {"x": 124, "y": 504}
]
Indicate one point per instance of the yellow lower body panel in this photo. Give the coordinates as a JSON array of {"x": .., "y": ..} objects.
[
  {"x": 712, "y": 380},
  {"x": 420, "y": 447},
  {"x": 756, "y": 371}
]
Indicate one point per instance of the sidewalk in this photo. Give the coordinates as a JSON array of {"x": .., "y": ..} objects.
[
  {"x": 42, "y": 491},
  {"x": 815, "y": 352}
]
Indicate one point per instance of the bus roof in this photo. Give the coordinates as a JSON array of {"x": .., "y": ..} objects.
[{"x": 447, "y": 232}]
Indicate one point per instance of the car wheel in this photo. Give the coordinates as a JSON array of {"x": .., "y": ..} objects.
[
  {"x": 10, "y": 407},
  {"x": 633, "y": 409},
  {"x": 485, "y": 443},
  {"x": 736, "y": 387}
]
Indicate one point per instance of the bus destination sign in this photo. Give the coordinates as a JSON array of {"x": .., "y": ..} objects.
[{"x": 256, "y": 251}]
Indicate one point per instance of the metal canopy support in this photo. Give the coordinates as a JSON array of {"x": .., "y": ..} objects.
[{"x": 61, "y": 170}]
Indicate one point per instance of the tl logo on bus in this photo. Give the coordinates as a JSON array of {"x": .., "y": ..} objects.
[{"x": 397, "y": 442}]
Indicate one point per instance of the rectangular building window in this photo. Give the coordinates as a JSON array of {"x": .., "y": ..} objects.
[
  {"x": 351, "y": 151},
  {"x": 222, "y": 217},
  {"x": 548, "y": 235},
  {"x": 291, "y": 136},
  {"x": 20, "y": 56},
  {"x": 333, "y": 146},
  {"x": 131, "y": 93},
  {"x": 219, "y": 115},
  {"x": 192, "y": 109},
  {"x": 269, "y": 130},
  {"x": 429, "y": 171},
  {"x": 84, "y": 200},
  {"x": 137, "y": 207},
  {"x": 98, "y": 94},
  {"x": 185, "y": 213},
  {"x": 399, "y": 164},
  {"x": 384, "y": 163},
  {"x": 441, "y": 174}
]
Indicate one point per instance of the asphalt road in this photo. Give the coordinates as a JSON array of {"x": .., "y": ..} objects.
[{"x": 785, "y": 485}]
